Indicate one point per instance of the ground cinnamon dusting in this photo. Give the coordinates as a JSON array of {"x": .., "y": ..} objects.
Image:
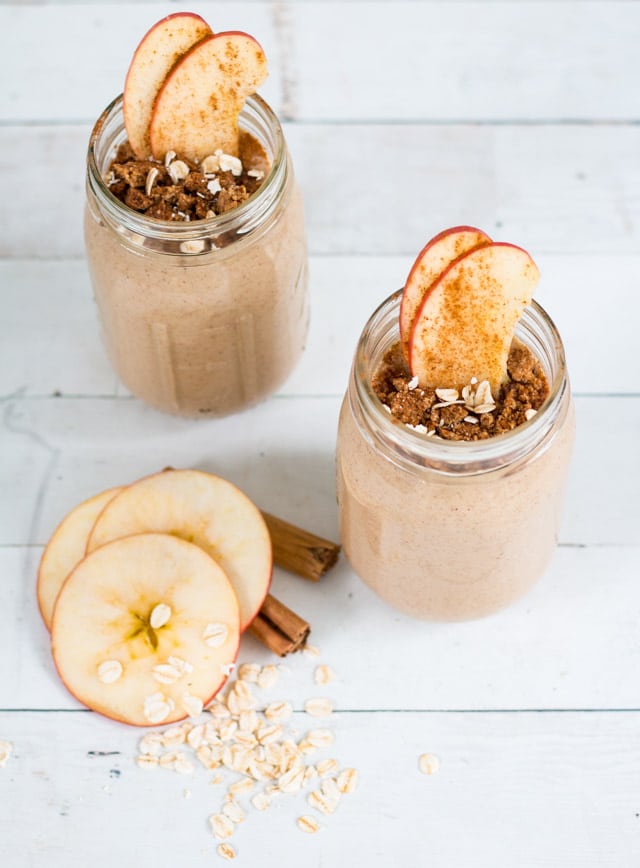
[
  {"x": 524, "y": 393},
  {"x": 194, "y": 197}
]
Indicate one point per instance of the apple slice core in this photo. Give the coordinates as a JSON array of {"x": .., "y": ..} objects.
[
  {"x": 206, "y": 510},
  {"x": 430, "y": 263},
  {"x": 66, "y": 548},
  {"x": 107, "y": 650},
  {"x": 464, "y": 327},
  {"x": 159, "y": 50}
]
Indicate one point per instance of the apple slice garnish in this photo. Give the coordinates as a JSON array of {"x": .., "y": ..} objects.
[
  {"x": 465, "y": 325},
  {"x": 65, "y": 549},
  {"x": 432, "y": 260},
  {"x": 202, "y": 509},
  {"x": 159, "y": 50},
  {"x": 196, "y": 110},
  {"x": 145, "y": 629}
]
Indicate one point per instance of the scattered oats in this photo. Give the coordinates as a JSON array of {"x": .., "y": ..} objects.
[
  {"x": 530, "y": 413},
  {"x": 242, "y": 787},
  {"x": 181, "y": 665},
  {"x": 228, "y": 730},
  {"x": 226, "y": 851},
  {"x": 194, "y": 245},
  {"x": 173, "y": 737},
  {"x": 208, "y": 216},
  {"x": 228, "y": 163},
  {"x": 310, "y": 774},
  {"x": 467, "y": 396},
  {"x": 472, "y": 419},
  {"x": 483, "y": 394},
  {"x": 278, "y": 711},
  {"x": 347, "y": 780},
  {"x": 261, "y": 801},
  {"x": 320, "y": 707},
  {"x": 193, "y": 705},
  {"x": 323, "y": 674},
  {"x": 318, "y": 800},
  {"x": 246, "y": 739},
  {"x": 214, "y": 186},
  {"x": 291, "y": 781},
  {"x": 308, "y": 824},
  {"x": 165, "y": 673},
  {"x": 151, "y": 179},
  {"x": 215, "y": 635},
  {"x": 109, "y": 671},
  {"x": 211, "y": 733},
  {"x": 227, "y": 668},
  {"x": 258, "y": 174},
  {"x": 249, "y": 672},
  {"x": 412, "y": 384},
  {"x": 268, "y": 677},
  {"x": 147, "y": 761},
  {"x": 151, "y": 744},
  {"x": 446, "y": 404},
  {"x": 168, "y": 760},
  {"x": 169, "y": 157},
  {"x": 216, "y": 779},
  {"x": 272, "y": 790},
  {"x": 327, "y": 767},
  {"x": 178, "y": 170},
  {"x": 311, "y": 650},
  {"x": 305, "y": 746},
  {"x": 429, "y": 764},
  {"x": 221, "y": 826},
  {"x": 233, "y": 811},
  {"x": 196, "y": 737},
  {"x": 218, "y": 710},
  {"x": 268, "y": 734},
  {"x": 248, "y": 721},
  {"x": 484, "y": 408},
  {"x": 182, "y": 764},
  {"x": 157, "y": 707},
  {"x": 186, "y": 793},
  {"x": 319, "y": 737},
  {"x": 330, "y": 789},
  {"x": 210, "y": 165},
  {"x": 447, "y": 396},
  {"x": 160, "y": 615}
]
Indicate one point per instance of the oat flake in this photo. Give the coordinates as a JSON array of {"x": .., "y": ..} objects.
[
  {"x": 226, "y": 851},
  {"x": 324, "y": 674},
  {"x": 429, "y": 764},
  {"x": 308, "y": 824},
  {"x": 221, "y": 826},
  {"x": 160, "y": 615},
  {"x": 215, "y": 635},
  {"x": 110, "y": 671},
  {"x": 320, "y": 707}
]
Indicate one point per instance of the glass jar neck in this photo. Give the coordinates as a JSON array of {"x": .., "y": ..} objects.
[
  {"x": 414, "y": 452},
  {"x": 234, "y": 227}
]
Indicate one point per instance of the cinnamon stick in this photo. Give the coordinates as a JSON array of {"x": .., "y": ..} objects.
[
  {"x": 279, "y": 628},
  {"x": 300, "y": 551}
]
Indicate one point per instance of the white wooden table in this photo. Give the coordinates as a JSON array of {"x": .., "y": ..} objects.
[{"x": 518, "y": 117}]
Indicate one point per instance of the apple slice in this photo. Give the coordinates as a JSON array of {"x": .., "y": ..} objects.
[
  {"x": 203, "y": 509},
  {"x": 157, "y": 53},
  {"x": 432, "y": 260},
  {"x": 196, "y": 111},
  {"x": 465, "y": 324},
  {"x": 65, "y": 549},
  {"x": 145, "y": 629}
]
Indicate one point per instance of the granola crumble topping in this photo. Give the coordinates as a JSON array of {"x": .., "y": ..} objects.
[{"x": 474, "y": 414}]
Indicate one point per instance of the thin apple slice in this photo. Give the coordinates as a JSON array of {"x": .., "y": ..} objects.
[
  {"x": 65, "y": 549},
  {"x": 203, "y": 509},
  {"x": 159, "y": 50},
  {"x": 145, "y": 629},
  {"x": 432, "y": 260},
  {"x": 196, "y": 111},
  {"x": 465, "y": 324}
]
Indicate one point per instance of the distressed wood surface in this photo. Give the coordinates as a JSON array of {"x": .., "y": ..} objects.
[{"x": 402, "y": 118}]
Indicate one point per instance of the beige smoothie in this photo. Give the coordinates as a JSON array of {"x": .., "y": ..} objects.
[{"x": 451, "y": 530}]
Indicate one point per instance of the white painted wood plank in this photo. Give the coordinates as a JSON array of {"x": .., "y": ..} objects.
[
  {"x": 552, "y": 189},
  {"x": 526, "y": 790},
  {"x": 345, "y": 61},
  {"x": 50, "y": 342},
  {"x": 57, "y": 452}
]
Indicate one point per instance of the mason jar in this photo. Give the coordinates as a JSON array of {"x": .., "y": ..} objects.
[
  {"x": 205, "y": 317},
  {"x": 451, "y": 530}
]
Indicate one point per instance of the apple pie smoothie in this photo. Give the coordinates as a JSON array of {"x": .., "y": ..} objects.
[
  {"x": 450, "y": 501},
  {"x": 197, "y": 255}
]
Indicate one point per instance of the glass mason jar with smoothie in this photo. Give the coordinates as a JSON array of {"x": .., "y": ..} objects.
[
  {"x": 194, "y": 226},
  {"x": 455, "y": 434}
]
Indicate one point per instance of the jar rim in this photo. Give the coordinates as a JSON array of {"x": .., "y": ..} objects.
[
  {"x": 242, "y": 219},
  {"x": 410, "y": 448}
]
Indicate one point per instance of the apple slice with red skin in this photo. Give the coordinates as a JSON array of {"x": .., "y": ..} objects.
[
  {"x": 196, "y": 110},
  {"x": 145, "y": 629},
  {"x": 158, "y": 51},
  {"x": 203, "y": 509},
  {"x": 464, "y": 327},
  {"x": 66, "y": 548},
  {"x": 432, "y": 260}
]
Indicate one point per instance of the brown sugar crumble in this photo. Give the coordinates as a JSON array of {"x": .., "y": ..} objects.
[
  {"x": 474, "y": 414},
  {"x": 179, "y": 189}
]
